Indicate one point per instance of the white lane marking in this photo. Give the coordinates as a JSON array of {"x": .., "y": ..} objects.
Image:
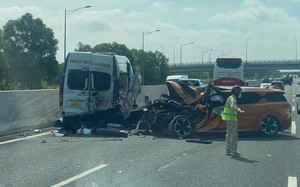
[
  {"x": 293, "y": 100},
  {"x": 293, "y": 108},
  {"x": 293, "y": 130},
  {"x": 65, "y": 182},
  {"x": 28, "y": 137},
  {"x": 292, "y": 181}
]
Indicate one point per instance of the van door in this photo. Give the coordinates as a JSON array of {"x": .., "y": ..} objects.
[
  {"x": 75, "y": 84},
  {"x": 131, "y": 96},
  {"x": 101, "y": 84}
]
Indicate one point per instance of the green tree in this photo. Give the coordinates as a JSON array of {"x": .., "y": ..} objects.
[
  {"x": 31, "y": 50},
  {"x": 84, "y": 48},
  {"x": 153, "y": 65},
  {"x": 114, "y": 47},
  {"x": 3, "y": 61}
]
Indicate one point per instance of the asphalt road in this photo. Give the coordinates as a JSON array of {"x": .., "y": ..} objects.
[{"x": 47, "y": 160}]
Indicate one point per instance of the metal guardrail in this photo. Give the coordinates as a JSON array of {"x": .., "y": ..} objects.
[{"x": 283, "y": 61}]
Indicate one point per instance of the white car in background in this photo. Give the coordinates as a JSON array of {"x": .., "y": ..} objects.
[
  {"x": 195, "y": 83},
  {"x": 265, "y": 85}
]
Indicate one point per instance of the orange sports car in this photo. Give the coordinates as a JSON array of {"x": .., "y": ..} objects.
[{"x": 187, "y": 110}]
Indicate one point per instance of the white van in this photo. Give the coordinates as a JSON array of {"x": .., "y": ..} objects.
[
  {"x": 98, "y": 88},
  {"x": 175, "y": 78}
]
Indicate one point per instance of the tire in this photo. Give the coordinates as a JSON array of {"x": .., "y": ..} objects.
[
  {"x": 269, "y": 126},
  {"x": 181, "y": 127},
  {"x": 298, "y": 112}
]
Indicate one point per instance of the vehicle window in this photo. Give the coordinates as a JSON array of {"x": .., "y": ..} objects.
[
  {"x": 192, "y": 83},
  {"x": 228, "y": 65},
  {"x": 275, "y": 96},
  {"x": 136, "y": 89},
  {"x": 101, "y": 80},
  {"x": 266, "y": 80},
  {"x": 77, "y": 79},
  {"x": 249, "y": 97}
]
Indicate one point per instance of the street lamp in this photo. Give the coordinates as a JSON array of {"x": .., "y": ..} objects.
[
  {"x": 296, "y": 49},
  {"x": 174, "y": 52},
  {"x": 247, "y": 49},
  {"x": 143, "y": 43},
  {"x": 205, "y": 52},
  {"x": 67, "y": 12},
  {"x": 182, "y": 45},
  {"x": 143, "y": 37},
  {"x": 222, "y": 49}
]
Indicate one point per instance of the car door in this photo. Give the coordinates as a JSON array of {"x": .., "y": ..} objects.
[
  {"x": 214, "y": 100},
  {"x": 132, "y": 94}
]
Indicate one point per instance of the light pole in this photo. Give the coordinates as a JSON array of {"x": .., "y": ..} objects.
[
  {"x": 222, "y": 49},
  {"x": 247, "y": 49},
  {"x": 143, "y": 37},
  {"x": 182, "y": 45},
  {"x": 296, "y": 49},
  {"x": 205, "y": 52},
  {"x": 143, "y": 43},
  {"x": 174, "y": 52},
  {"x": 67, "y": 12}
]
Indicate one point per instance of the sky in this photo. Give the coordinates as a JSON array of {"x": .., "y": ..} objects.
[{"x": 247, "y": 29}]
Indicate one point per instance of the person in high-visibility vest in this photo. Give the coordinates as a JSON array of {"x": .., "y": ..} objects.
[{"x": 229, "y": 115}]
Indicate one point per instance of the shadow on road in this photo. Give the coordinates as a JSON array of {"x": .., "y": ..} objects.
[
  {"x": 250, "y": 137},
  {"x": 245, "y": 160}
]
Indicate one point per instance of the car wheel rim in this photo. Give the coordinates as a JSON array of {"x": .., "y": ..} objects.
[
  {"x": 182, "y": 127},
  {"x": 269, "y": 125}
]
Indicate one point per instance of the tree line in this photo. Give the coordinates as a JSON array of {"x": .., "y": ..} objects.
[{"x": 28, "y": 49}]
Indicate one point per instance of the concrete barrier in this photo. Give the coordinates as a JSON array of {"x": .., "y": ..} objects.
[
  {"x": 27, "y": 109},
  {"x": 31, "y": 109}
]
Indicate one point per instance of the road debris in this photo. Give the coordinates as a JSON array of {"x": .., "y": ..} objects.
[
  {"x": 23, "y": 134},
  {"x": 43, "y": 141},
  {"x": 199, "y": 141}
]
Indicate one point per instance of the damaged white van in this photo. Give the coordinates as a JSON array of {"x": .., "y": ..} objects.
[{"x": 97, "y": 88}]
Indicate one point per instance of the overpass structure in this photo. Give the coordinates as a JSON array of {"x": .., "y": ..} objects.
[{"x": 251, "y": 67}]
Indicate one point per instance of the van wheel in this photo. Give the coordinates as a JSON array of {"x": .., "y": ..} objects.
[
  {"x": 181, "y": 127},
  {"x": 269, "y": 126}
]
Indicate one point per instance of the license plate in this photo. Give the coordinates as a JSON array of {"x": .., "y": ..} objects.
[{"x": 75, "y": 103}]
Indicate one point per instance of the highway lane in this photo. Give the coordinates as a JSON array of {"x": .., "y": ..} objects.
[{"x": 152, "y": 161}]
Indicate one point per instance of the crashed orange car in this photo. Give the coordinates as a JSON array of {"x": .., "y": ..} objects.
[{"x": 185, "y": 110}]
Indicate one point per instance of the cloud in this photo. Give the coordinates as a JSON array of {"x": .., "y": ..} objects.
[
  {"x": 252, "y": 3},
  {"x": 188, "y": 10}
]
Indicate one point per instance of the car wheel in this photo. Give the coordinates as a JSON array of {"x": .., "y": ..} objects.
[
  {"x": 269, "y": 126},
  {"x": 181, "y": 127}
]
